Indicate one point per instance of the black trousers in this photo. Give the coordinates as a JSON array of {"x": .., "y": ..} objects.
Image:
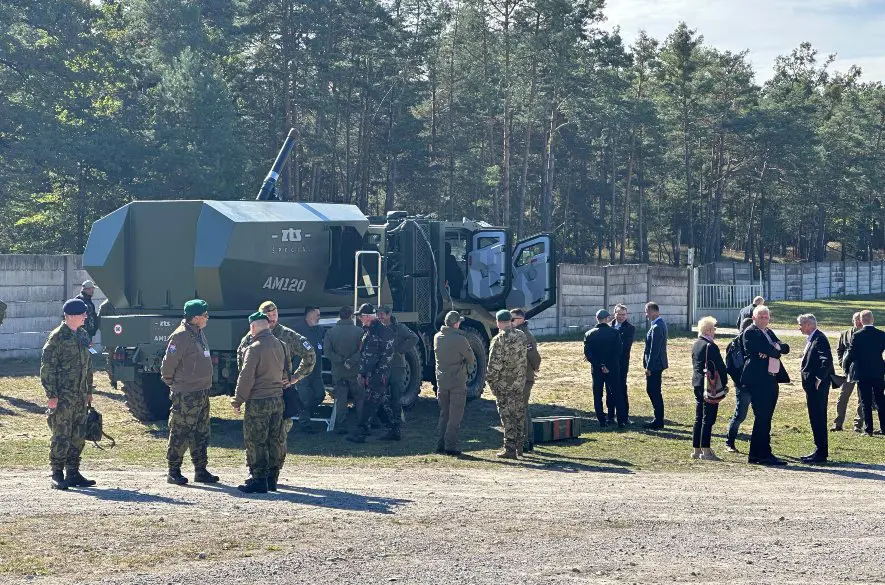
[
  {"x": 816, "y": 398},
  {"x": 653, "y": 389},
  {"x": 869, "y": 390},
  {"x": 763, "y": 399},
  {"x": 611, "y": 401},
  {"x": 612, "y": 384},
  {"x": 704, "y": 419}
]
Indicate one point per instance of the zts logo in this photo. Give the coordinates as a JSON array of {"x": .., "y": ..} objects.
[
  {"x": 285, "y": 284},
  {"x": 290, "y": 235}
]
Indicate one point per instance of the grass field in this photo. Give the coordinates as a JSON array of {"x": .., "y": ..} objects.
[
  {"x": 563, "y": 388},
  {"x": 830, "y": 313}
]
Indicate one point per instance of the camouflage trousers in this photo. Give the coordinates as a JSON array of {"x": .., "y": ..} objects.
[
  {"x": 263, "y": 432},
  {"x": 68, "y": 425},
  {"x": 377, "y": 403},
  {"x": 511, "y": 407},
  {"x": 527, "y": 395},
  {"x": 189, "y": 428}
]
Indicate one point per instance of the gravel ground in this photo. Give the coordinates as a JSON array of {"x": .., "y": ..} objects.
[{"x": 365, "y": 525}]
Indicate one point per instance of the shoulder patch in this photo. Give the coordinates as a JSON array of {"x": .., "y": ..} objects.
[
  {"x": 172, "y": 348},
  {"x": 307, "y": 345}
]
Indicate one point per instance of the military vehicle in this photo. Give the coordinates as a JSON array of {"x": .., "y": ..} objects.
[{"x": 149, "y": 257}]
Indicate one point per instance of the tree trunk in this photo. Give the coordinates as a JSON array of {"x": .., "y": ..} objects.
[{"x": 520, "y": 221}]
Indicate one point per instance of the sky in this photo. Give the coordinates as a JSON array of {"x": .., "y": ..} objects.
[{"x": 853, "y": 29}]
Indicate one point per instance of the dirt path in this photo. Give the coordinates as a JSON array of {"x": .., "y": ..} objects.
[{"x": 363, "y": 525}]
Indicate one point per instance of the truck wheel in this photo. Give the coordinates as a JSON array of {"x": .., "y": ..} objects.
[
  {"x": 147, "y": 398},
  {"x": 412, "y": 381},
  {"x": 476, "y": 376}
]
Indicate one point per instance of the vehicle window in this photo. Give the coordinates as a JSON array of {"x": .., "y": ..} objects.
[
  {"x": 526, "y": 254},
  {"x": 486, "y": 242}
]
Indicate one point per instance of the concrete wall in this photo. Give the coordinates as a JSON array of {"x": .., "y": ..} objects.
[
  {"x": 34, "y": 287},
  {"x": 803, "y": 280},
  {"x": 584, "y": 289}
]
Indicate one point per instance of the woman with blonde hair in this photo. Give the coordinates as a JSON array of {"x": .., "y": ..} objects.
[{"x": 709, "y": 379}]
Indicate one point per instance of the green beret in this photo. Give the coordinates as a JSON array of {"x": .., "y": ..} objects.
[
  {"x": 195, "y": 307},
  {"x": 258, "y": 316},
  {"x": 503, "y": 315}
]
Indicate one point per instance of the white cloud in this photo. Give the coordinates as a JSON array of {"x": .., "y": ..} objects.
[{"x": 853, "y": 29}]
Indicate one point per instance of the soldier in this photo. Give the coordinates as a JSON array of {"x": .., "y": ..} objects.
[
  {"x": 2, "y": 312},
  {"x": 376, "y": 352},
  {"x": 533, "y": 364},
  {"x": 87, "y": 289},
  {"x": 66, "y": 375},
  {"x": 506, "y": 378},
  {"x": 311, "y": 389},
  {"x": 404, "y": 339},
  {"x": 260, "y": 388},
  {"x": 454, "y": 357},
  {"x": 187, "y": 370},
  {"x": 297, "y": 346},
  {"x": 342, "y": 346}
]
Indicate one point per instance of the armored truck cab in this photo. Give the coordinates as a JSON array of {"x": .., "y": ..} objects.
[{"x": 149, "y": 257}]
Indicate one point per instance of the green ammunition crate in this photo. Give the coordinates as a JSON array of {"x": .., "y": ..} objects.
[{"x": 555, "y": 428}]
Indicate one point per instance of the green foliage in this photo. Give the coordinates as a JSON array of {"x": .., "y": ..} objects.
[{"x": 632, "y": 153}]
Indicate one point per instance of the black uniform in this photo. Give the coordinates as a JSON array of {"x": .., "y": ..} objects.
[{"x": 602, "y": 348}]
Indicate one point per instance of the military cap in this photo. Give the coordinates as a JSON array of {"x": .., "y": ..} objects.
[
  {"x": 366, "y": 309},
  {"x": 258, "y": 316},
  {"x": 383, "y": 309},
  {"x": 195, "y": 307},
  {"x": 267, "y": 307},
  {"x": 88, "y": 284},
  {"x": 602, "y": 314},
  {"x": 74, "y": 307},
  {"x": 503, "y": 315},
  {"x": 453, "y": 317}
]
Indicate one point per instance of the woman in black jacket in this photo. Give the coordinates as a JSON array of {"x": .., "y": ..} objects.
[{"x": 705, "y": 355}]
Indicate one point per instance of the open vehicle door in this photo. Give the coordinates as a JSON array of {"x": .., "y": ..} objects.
[
  {"x": 488, "y": 267},
  {"x": 533, "y": 275}
]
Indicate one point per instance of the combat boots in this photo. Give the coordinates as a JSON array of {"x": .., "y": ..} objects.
[
  {"x": 272, "y": 476},
  {"x": 74, "y": 479},
  {"x": 203, "y": 476},
  {"x": 505, "y": 454},
  {"x": 254, "y": 485},
  {"x": 174, "y": 476},
  {"x": 58, "y": 480}
]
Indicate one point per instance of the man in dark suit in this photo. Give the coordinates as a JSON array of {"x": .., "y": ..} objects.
[
  {"x": 864, "y": 355},
  {"x": 850, "y": 382},
  {"x": 628, "y": 333},
  {"x": 817, "y": 367},
  {"x": 654, "y": 360},
  {"x": 747, "y": 312},
  {"x": 762, "y": 351},
  {"x": 602, "y": 348}
]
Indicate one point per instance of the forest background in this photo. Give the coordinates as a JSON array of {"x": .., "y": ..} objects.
[{"x": 528, "y": 113}]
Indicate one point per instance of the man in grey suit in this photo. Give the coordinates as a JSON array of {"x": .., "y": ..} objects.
[{"x": 654, "y": 360}]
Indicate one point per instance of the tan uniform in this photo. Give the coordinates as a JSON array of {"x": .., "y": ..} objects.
[{"x": 453, "y": 356}]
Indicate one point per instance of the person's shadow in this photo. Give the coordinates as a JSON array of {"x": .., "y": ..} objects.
[
  {"x": 125, "y": 495},
  {"x": 849, "y": 470},
  {"x": 324, "y": 498}
]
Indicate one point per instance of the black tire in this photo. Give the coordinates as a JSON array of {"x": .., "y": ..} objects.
[
  {"x": 476, "y": 376},
  {"x": 148, "y": 398},
  {"x": 412, "y": 382}
]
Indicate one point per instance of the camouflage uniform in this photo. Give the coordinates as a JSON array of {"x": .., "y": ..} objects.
[
  {"x": 376, "y": 353},
  {"x": 506, "y": 377},
  {"x": 187, "y": 369},
  {"x": 66, "y": 374},
  {"x": 297, "y": 346},
  {"x": 533, "y": 364}
]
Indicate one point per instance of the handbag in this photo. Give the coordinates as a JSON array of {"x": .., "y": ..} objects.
[
  {"x": 94, "y": 429},
  {"x": 714, "y": 389}
]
